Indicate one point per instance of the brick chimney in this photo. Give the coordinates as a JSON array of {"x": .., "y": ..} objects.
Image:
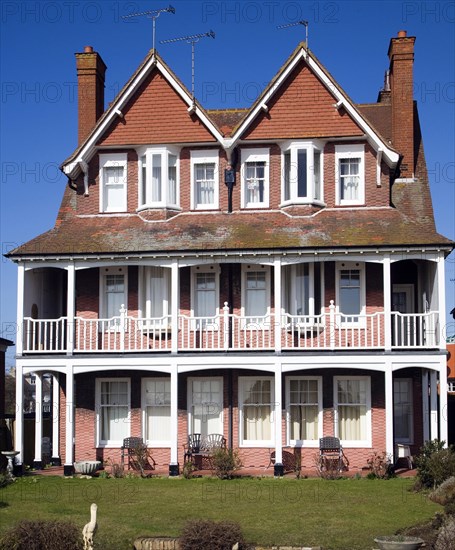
[
  {"x": 401, "y": 55},
  {"x": 90, "y": 80}
]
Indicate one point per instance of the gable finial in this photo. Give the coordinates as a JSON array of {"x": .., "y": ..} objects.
[
  {"x": 192, "y": 39},
  {"x": 152, "y": 14},
  {"x": 301, "y": 22}
]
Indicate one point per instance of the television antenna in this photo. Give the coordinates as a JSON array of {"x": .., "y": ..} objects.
[
  {"x": 301, "y": 22},
  {"x": 151, "y": 14},
  {"x": 193, "y": 39}
]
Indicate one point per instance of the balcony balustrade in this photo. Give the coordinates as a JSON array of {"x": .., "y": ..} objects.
[{"x": 330, "y": 331}]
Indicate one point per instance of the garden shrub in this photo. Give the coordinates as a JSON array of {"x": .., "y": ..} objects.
[
  {"x": 42, "y": 535},
  {"x": 380, "y": 465},
  {"x": 203, "y": 534},
  {"x": 225, "y": 462},
  {"x": 5, "y": 480},
  {"x": 435, "y": 464},
  {"x": 446, "y": 536}
]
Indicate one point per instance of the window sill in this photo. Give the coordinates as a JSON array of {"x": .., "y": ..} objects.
[{"x": 303, "y": 202}]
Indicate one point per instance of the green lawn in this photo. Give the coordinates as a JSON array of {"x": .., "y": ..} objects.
[{"x": 343, "y": 514}]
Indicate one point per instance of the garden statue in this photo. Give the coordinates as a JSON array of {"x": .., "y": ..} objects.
[{"x": 89, "y": 529}]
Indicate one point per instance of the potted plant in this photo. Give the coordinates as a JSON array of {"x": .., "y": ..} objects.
[{"x": 398, "y": 542}]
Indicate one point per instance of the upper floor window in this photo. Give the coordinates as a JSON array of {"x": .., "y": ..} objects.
[
  {"x": 350, "y": 291},
  {"x": 350, "y": 174},
  {"x": 255, "y": 178},
  {"x": 256, "y": 295},
  {"x": 158, "y": 177},
  {"x": 113, "y": 294},
  {"x": 302, "y": 291},
  {"x": 205, "y": 294},
  {"x": 204, "y": 179},
  {"x": 302, "y": 172},
  {"x": 155, "y": 296},
  {"x": 113, "y": 182}
]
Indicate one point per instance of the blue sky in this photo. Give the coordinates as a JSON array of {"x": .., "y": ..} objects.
[{"x": 38, "y": 125}]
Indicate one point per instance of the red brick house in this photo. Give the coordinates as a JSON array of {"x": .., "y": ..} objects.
[{"x": 272, "y": 274}]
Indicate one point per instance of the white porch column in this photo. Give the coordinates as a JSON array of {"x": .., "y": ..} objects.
[
  {"x": 443, "y": 411},
  {"x": 174, "y": 463},
  {"x": 37, "y": 462},
  {"x": 69, "y": 425},
  {"x": 70, "y": 309},
  {"x": 175, "y": 306},
  {"x": 433, "y": 405},
  {"x": 441, "y": 326},
  {"x": 278, "y": 469},
  {"x": 388, "y": 376},
  {"x": 387, "y": 303},
  {"x": 425, "y": 409},
  {"x": 20, "y": 309},
  {"x": 19, "y": 432},
  {"x": 55, "y": 411},
  {"x": 278, "y": 319}
]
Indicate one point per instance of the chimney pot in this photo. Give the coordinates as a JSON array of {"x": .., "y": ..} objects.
[
  {"x": 402, "y": 34},
  {"x": 88, "y": 49}
]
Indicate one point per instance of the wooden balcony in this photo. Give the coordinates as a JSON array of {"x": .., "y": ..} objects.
[{"x": 225, "y": 332}]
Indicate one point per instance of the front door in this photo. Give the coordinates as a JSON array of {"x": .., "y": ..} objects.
[{"x": 403, "y": 326}]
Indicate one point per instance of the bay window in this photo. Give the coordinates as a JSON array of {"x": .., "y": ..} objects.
[
  {"x": 256, "y": 402},
  {"x": 204, "y": 179},
  {"x": 158, "y": 177},
  {"x": 156, "y": 407},
  {"x": 350, "y": 174},
  {"x": 155, "y": 296},
  {"x": 113, "y": 410},
  {"x": 352, "y": 404},
  {"x": 205, "y": 405},
  {"x": 304, "y": 410},
  {"x": 255, "y": 178},
  {"x": 113, "y": 183},
  {"x": 302, "y": 172}
]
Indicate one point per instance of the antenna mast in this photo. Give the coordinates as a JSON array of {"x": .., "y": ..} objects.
[
  {"x": 151, "y": 14},
  {"x": 301, "y": 22},
  {"x": 193, "y": 39}
]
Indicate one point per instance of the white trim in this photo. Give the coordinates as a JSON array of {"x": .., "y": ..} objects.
[
  {"x": 304, "y": 442},
  {"x": 69, "y": 417},
  {"x": 255, "y": 155},
  {"x": 367, "y": 442},
  {"x": 166, "y": 443},
  {"x": 113, "y": 160},
  {"x": 241, "y": 391},
  {"x": 343, "y": 152},
  {"x": 110, "y": 442},
  {"x": 205, "y": 156}
]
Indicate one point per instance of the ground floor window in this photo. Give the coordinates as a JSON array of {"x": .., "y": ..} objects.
[
  {"x": 156, "y": 399},
  {"x": 113, "y": 406},
  {"x": 304, "y": 410},
  {"x": 256, "y": 405},
  {"x": 205, "y": 399},
  {"x": 352, "y": 403}
]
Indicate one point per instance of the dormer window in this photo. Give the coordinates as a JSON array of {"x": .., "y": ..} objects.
[
  {"x": 113, "y": 183},
  {"x": 204, "y": 180},
  {"x": 158, "y": 177},
  {"x": 255, "y": 178},
  {"x": 302, "y": 173}
]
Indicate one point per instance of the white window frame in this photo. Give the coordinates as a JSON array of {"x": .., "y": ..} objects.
[
  {"x": 246, "y": 268},
  {"x": 255, "y": 155},
  {"x": 351, "y": 266},
  {"x": 350, "y": 152},
  {"x": 98, "y": 407},
  {"x": 111, "y": 270},
  {"x": 205, "y": 269},
  {"x": 303, "y": 442},
  {"x": 164, "y": 152},
  {"x": 144, "y": 292},
  {"x": 293, "y": 148},
  {"x": 153, "y": 442},
  {"x": 242, "y": 391},
  {"x": 406, "y": 440},
  {"x": 361, "y": 443},
  {"x": 113, "y": 160},
  {"x": 190, "y": 399},
  {"x": 209, "y": 156}
]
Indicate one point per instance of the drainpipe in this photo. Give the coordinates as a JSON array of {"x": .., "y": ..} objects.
[{"x": 229, "y": 175}]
